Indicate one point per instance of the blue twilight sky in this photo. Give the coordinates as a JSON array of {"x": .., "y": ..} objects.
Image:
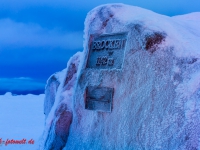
[{"x": 37, "y": 37}]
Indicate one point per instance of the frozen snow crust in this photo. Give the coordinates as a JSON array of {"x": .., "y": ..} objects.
[{"x": 156, "y": 103}]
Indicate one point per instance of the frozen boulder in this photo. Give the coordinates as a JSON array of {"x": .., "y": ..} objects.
[
  {"x": 59, "y": 130},
  {"x": 137, "y": 85},
  {"x": 50, "y": 93},
  {"x": 60, "y": 100}
]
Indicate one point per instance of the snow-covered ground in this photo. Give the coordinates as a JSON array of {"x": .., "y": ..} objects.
[{"x": 21, "y": 117}]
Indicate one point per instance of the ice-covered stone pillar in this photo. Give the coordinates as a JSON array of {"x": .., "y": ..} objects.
[
  {"x": 130, "y": 90},
  {"x": 58, "y": 109},
  {"x": 137, "y": 85}
]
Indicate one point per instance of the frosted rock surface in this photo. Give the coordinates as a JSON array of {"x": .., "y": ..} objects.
[
  {"x": 59, "y": 118},
  {"x": 50, "y": 94},
  {"x": 155, "y": 103}
]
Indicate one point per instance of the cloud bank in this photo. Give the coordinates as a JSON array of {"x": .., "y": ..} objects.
[
  {"x": 19, "y": 34},
  {"x": 21, "y": 86}
]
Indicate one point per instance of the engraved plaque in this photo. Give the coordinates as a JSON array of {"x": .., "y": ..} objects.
[
  {"x": 107, "y": 51},
  {"x": 99, "y": 98}
]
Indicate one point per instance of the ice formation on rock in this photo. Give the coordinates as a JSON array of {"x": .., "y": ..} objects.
[{"x": 156, "y": 99}]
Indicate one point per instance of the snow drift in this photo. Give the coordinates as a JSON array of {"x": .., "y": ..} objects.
[
  {"x": 21, "y": 118},
  {"x": 156, "y": 91}
]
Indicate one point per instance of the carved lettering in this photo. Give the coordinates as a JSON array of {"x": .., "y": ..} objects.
[
  {"x": 110, "y": 62},
  {"x": 102, "y": 61},
  {"x": 98, "y": 63},
  {"x": 108, "y": 44}
]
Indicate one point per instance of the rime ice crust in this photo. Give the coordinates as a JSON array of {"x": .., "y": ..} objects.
[
  {"x": 50, "y": 94},
  {"x": 59, "y": 99},
  {"x": 156, "y": 92}
]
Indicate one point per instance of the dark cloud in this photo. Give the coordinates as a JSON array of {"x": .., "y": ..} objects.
[
  {"x": 63, "y": 19},
  {"x": 37, "y": 63},
  {"x": 32, "y": 51},
  {"x": 21, "y": 85},
  {"x": 18, "y": 34}
]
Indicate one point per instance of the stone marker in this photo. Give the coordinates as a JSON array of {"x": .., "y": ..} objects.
[
  {"x": 107, "y": 51},
  {"x": 136, "y": 86}
]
